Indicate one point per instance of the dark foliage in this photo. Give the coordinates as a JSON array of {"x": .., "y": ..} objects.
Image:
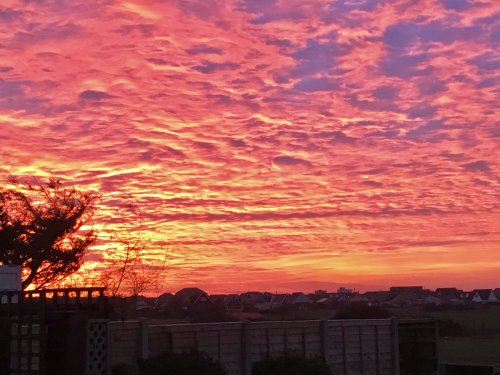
[
  {"x": 363, "y": 312},
  {"x": 41, "y": 230},
  {"x": 291, "y": 365},
  {"x": 180, "y": 364}
]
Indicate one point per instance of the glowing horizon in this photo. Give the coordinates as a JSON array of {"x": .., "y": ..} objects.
[{"x": 268, "y": 145}]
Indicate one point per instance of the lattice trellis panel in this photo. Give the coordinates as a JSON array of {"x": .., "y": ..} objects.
[{"x": 97, "y": 347}]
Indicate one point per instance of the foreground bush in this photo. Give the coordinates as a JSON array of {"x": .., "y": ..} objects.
[
  {"x": 193, "y": 363},
  {"x": 291, "y": 365}
]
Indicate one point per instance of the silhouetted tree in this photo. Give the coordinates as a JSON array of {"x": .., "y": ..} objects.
[
  {"x": 129, "y": 271},
  {"x": 45, "y": 228}
]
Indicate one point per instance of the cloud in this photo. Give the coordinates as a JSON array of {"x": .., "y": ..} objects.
[
  {"x": 477, "y": 166},
  {"x": 316, "y": 84},
  {"x": 203, "y": 49},
  {"x": 158, "y": 61},
  {"x": 13, "y": 96},
  {"x": 338, "y": 137},
  {"x": 8, "y": 15},
  {"x": 430, "y": 86},
  {"x": 487, "y": 61},
  {"x": 458, "y": 5},
  {"x": 286, "y": 160},
  {"x": 404, "y": 38},
  {"x": 272, "y": 10},
  {"x": 53, "y": 31},
  {"x": 495, "y": 35},
  {"x": 208, "y": 67},
  {"x": 94, "y": 95},
  {"x": 431, "y": 131},
  {"x": 402, "y": 35},
  {"x": 386, "y": 92},
  {"x": 421, "y": 111},
  {"x": 203, "y": 9},
  {"x": 316, "y": 57},
  {"x": 405, "y": 66},
  {"x": 142, "y": 29},
  {"x": 237, "y": 142}
]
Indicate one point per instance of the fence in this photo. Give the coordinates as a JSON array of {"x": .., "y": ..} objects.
[
  {"x": 350, "y": 347},
  {"x": 42, "y": 332}
]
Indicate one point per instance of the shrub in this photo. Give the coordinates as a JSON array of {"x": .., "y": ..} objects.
[
  {"x": 192, "y": 363},
  {"x": 291, "y": 365}
]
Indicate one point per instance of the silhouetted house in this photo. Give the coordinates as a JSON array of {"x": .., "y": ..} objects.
[
  {"x": 233, "y": 303},
  {"x": 497, "y": 293},
  {"x": 218, "y": 299},
  {"x": 406, "y": 289},
  {"x": 327, "y": 302},
  {"x": 448, "y": 292},
  {"x": 412, "y": 296},
  {"x": 277, "y": 300},
  {"x": 483, "y": 296},
  {"x": 451, "y": 296},
  {"x": 358, "y": 298},
  {"x": 318, "y": 294},
  {"x": 296, "y": 298},
  {"x": 321, "y": 292},
  {"x": 256, "y": 301},
  {"x": 344, "y": 291},
  {"x": 298, "y": 301},
  {"x": 164, "y": 301},
  {"x": 142, "y": 303},
  {"x": 403, "y": 299},
  {"x": 429, "y": 298},
  {"x": 230, "y": 302},
  {"x": 193, "y": 297},
  {"x": 341, "y": 298},
  {"x": 378, "y": 297}
]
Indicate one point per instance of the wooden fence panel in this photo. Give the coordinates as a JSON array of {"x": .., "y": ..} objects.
[{"x": 354, "y": 347}]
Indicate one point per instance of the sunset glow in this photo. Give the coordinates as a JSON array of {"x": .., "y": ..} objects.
[{"x": 268, "y": 144}]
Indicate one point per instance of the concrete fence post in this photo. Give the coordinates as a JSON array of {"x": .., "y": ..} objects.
[
  {"x": 143, "y": 338},
  {"x": 395, "y": 344},
  {"x": 246, "y": 363},
  {"x": 323, "y": 331}
]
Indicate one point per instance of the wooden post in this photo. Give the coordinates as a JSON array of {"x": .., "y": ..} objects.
[{"x": 246, "y": 363}]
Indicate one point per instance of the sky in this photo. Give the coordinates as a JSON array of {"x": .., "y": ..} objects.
[{"x": 267, "y": 144}]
